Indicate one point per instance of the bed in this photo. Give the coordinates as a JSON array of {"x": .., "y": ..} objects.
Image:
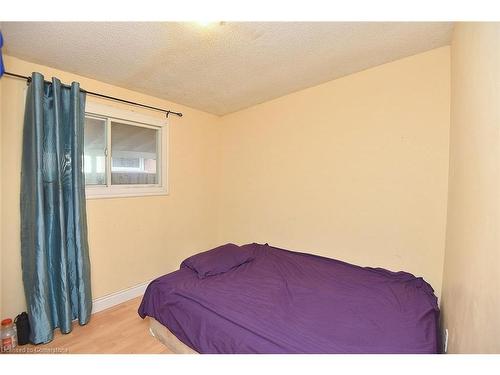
[{"x": 280, "y": 301}]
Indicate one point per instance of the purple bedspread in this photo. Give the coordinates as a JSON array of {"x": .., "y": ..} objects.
[{"x": 288, "y": 302}]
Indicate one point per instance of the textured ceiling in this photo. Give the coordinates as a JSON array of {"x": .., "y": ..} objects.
[{"x": 223, "y": 67}]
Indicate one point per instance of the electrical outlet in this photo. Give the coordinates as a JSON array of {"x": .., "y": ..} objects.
[{"x": 445, "y": 346}]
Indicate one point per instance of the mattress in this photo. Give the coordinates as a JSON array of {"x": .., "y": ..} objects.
[{"x": 289, "y": 302}]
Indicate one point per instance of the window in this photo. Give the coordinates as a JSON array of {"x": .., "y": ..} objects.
[{"x": 124, "y": 153}]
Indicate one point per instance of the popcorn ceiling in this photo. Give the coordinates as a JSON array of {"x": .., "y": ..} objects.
[{"x": 223, "y": 67}]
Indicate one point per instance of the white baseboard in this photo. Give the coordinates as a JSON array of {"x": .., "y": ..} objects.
[{"x": 113, "y": 299}]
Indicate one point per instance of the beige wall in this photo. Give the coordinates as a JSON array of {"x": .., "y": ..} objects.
[
  {"x": 471, "y": 284},
  {"x": 355, "y": 169},
  {"x": 131, "y": 239}
]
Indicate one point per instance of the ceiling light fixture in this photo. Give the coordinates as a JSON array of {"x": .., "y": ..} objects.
[{"x": 209, "y": 23}]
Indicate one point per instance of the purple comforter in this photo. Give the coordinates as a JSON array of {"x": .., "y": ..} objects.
[{"x": 288, "y": 302}]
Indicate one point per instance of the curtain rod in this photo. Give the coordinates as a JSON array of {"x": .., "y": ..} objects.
[{"x": 166, "y": 111}]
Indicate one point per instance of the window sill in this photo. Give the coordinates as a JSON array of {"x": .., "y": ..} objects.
[{"x": 104, "y": 193}]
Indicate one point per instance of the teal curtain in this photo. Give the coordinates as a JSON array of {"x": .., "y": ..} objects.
[{"x": 54, "y": 248}]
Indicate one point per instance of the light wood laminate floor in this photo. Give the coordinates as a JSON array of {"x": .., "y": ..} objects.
[{"x": 112, "y": 331}]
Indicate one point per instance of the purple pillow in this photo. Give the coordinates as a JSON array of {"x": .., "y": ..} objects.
[{"x": 218, "y": 260}]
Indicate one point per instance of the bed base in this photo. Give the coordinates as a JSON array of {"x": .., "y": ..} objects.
[{"x": 167, "y": 338}]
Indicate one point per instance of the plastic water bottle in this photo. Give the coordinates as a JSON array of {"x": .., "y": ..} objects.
[{"x": 8, "y": 335}]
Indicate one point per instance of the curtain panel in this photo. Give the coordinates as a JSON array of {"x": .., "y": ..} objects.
[{"x": 54, "y": 247}]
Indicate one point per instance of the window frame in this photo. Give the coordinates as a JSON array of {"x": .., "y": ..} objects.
[{"x": 129, "y": 117}]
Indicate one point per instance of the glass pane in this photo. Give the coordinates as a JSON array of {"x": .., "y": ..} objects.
[
  {"x": 94, "y": 162},
  {"x": 133, "y": 155}
]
